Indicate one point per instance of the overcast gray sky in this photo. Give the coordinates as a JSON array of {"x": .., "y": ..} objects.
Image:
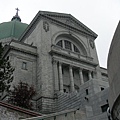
[{"x": 101, "y": 16}]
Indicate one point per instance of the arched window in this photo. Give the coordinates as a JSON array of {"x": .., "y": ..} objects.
[
  {"x": 67, "y": 45},
  {"x": 60, "y": 43},
  {"x": 75, "y": 49}
]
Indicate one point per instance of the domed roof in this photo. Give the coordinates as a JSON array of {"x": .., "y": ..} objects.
[{"x": 12, "y": 29}]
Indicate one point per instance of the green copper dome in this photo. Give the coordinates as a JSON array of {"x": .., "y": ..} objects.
[{"x": 12, "y": 29}]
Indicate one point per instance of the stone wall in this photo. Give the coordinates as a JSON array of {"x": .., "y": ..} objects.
[
  {"x": 11, "y": 112},
  {"x": 23, "y": 59},
  {"x": 72, "y": 114},
  {"x": 7, "y": 114}
]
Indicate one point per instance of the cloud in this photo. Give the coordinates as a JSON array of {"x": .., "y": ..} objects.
[{"x": 101, "y": 16}]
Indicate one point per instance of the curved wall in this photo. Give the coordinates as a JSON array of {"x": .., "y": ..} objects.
[{"x": 114, "y": 74}]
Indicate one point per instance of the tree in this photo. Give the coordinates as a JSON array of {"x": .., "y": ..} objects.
[
  {"x": 6, "y": 73},
  {"x": 22, "y": 95}
]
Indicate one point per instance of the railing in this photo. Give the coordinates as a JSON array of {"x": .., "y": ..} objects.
[
  {"x": 71, "y": 53},
  {"x": 72, "y": 114}
]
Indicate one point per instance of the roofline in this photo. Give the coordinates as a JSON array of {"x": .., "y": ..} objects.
[
  {"x": 17, "y": 41},
  {"x": 113, "y": 42},
  {"x": 78, "y": 22},
  {"x": 41, "y": 13},
  {"x": 69, "y": 15},
  {"x": 88, "y": 29},
  {"x": 103, "y": 68},
  {"x": 8, "y": 48},
  {"x": 29, "y": 26},
  {"x": 13, "y": 21}
]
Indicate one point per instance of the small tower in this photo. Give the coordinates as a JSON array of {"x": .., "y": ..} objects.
[{"x": 16, "y": 17}]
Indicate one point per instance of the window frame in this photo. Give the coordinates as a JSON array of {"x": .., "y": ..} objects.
[
  {"x": 68, "y": 45},
  {"x": 60, "y": 44},
  {"x": 24, "y": 65}
]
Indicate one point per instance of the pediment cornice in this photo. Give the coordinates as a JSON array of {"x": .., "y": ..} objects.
[
  {"x": 64, "y": 20},
  {"x": 71, "y": 21}
]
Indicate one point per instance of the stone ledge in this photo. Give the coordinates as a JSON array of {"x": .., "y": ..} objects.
[{"x": 19, "y": 109}]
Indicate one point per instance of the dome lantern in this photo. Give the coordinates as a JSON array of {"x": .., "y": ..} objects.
[{"x": 16, "y": 17}]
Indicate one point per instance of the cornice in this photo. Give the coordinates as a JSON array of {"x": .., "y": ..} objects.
[
  {"x": 30, "y": 27},
  {"x": 8, "y": 48},
  {"x": 23, "y": 51},
  {"x": 69, "y": 27},
  {"x": 72, "y": 18},
  {"x": 49, "y": 16},
  {"x": 22, "y": 43},
  {"x": 53, "y": 52}
]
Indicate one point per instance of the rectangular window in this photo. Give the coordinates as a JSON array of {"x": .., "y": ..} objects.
[
  {"x": 24, "y": 65},
  {"x": 102, "y": 88},
  {"x": 68, "y": 45},
  {"x": 85, "y": 76},
  {"x": 64, "y": 90},
  {"x": 104, "y": 107},
  {"x": 86, "y": 91}
]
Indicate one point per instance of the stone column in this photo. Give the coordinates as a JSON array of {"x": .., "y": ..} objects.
[
  {"x": 72, "y": 47},
  {"x": 55, "y": 73},
  {"x": 71, "y": 79},
  {"x": 63, "y": 44},
  {"x": 81, "y": 76},
  {"x": 89, "y": 74},
  {"x": 60, "y": 77}
]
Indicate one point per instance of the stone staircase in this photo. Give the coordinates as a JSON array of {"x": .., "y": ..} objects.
[{"x": 67, "y": 101}]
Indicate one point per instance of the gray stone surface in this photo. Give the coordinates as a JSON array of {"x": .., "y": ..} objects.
[
  {"x": 114, "y": 75},
  {"x": 63, "y": 115},
  {"x": 76, "y": 79},
  {"x": 11, "y": 112}
]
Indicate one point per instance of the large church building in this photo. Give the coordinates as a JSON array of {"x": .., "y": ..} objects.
[{"x": 57, "y": 54}]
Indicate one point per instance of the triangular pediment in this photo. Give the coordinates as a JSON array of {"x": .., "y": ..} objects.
[
  {"x": 69, "y": 20},
  {"x": 65, "y": 20}
]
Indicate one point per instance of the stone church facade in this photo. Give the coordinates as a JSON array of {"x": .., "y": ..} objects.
[{"x": 57, "y": 54}]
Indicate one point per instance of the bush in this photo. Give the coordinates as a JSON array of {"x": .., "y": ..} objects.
[
  {"x": 22, "y": 95},
  {"x": 6, "y": 73}
]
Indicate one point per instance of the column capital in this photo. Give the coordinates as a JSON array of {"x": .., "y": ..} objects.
[
  {"x": 60, "y": 63},
  {"x": 54, "y": 61},
  {"x": 81, "y": 69},
  {"x": 70, "y": 66},
  {"x": 90, "y": 71}
]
